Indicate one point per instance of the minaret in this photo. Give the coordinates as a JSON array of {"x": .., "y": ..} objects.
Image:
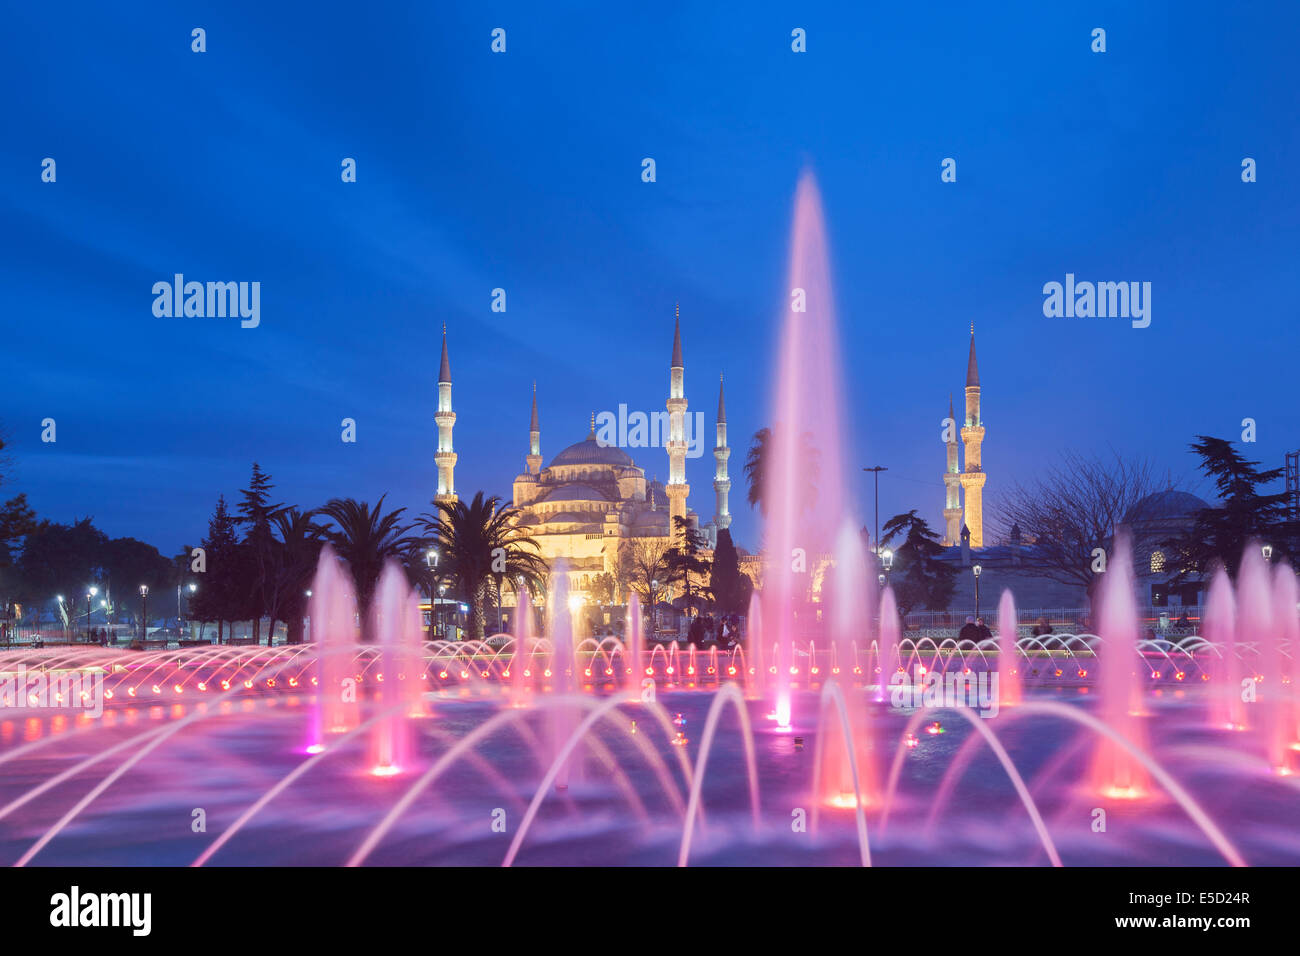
[
  {"x": 972, "y": 436},
  {"x": 721, "y": 483},
  {"x": 677, "y": 489},
  {"x": 446, "y": 418},
  {"x": 534, "y": 456},
  {"x": 951, "y": 486}
]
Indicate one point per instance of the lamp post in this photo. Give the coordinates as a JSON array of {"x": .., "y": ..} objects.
[
  {"x": 1268, "y": 552},
  {"x": 442, "y": 591},
  {"x": 144, "y": 611},
  {"x": 431, "y": 562},
  {"x": 306, "y": 620},
  {"x": 179, "y": 615},
  {"x": 90, "y": 593},
  {"x": 887, "y": 562},
  {"x": 654, "y": 607},
  {"x": 977, "y": 571},
  {"x": 875, "y": 544}
]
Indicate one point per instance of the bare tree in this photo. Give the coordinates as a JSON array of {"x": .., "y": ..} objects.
[
  {"x": 649, "y": 568},
  {"x": 1073, "y": 509}
]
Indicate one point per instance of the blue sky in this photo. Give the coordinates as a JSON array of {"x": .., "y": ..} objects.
[{"x": 522, "y": 171}]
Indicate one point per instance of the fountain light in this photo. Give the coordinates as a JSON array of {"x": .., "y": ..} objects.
[{"x": 844, "y": 801}]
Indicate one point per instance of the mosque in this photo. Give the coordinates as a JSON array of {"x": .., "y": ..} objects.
[{"x": 592, "y": 503}]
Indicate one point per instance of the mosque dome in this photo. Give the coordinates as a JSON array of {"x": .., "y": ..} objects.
[
  {"x": 576, "y": 491},
  {"x": 591, "y": 452},
  {"x": 1165, "y": 506}
]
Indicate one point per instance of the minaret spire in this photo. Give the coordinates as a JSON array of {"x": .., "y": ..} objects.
[
  {"x": 677, "y": 489},
  {"x": 534, "y": 457},
  {"x": 445, "y": 457},
  {"x": 721, "y": 482},
  {"x": 951, "y": 482},
  {"x": 972, "y": 436}
]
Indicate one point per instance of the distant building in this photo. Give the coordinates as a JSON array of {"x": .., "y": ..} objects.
[{"x": 1152, "y": 522}]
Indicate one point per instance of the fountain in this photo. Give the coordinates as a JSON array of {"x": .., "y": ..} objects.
[
  {"x": 679, "y": 767},
  {"x": 803, "y": 481}
]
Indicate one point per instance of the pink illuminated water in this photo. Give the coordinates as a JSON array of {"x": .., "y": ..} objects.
[
  {"x": 332, "y": 611},
  {"x": 634, "y": 642},
  {"x": 399, "y": 630},
  {"x": 1219, "y": 627},
  {"x": 1286, "y": 612},
  {"x": 804, "y": 478},
  {"x": 1117, "y": 773},
  {"x": 1009, "y": 660}
]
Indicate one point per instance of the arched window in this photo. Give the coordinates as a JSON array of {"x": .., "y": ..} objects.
[{"x": 1157, "y": 561}]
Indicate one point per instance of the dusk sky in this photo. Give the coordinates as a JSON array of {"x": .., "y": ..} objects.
[{"x": 522, "y": 171}]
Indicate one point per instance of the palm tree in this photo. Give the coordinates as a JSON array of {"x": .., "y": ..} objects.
[
  {"x": 755, "y": 460},
  {"x": 756, "y": 466},
  {"x": 295, "y": 556},
  {"x": 480, "y": 540},
  {"x": 365, "y": 539}
]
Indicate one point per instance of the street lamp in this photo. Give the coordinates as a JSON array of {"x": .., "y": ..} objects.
[
  {"x": 144, "y": 611},
  {"x": 977, "y": 571},
  {"x": 90, "y": 593},
  {"x": 192, "y": 588},
  {"x": 1268, "y": 552},
  {"x": 431, "y": 562},
  {"x": 887, "y": 562},
  {"x": 875, "y": 544}
]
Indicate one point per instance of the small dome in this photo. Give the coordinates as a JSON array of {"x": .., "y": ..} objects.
[
  {"x": 1165, "y": 506},
  {"x": 591, "y": 452}
]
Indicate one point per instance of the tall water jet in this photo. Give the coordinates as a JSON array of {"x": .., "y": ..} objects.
[
  {"x": 803, "y": 478},
  {"x": 889, "y": 640},
  {"x": 1227, "y": 709},
  {"x": 1255, "y": 626},
  {"x": 563, "y": 668},
  {"x": 851, "y": 597},
  {"x": 1286, "y": 595},
  {"x": 393, "y": 626},
  {"x": 1010, "y": 680},
  {"x": 332, "y": 609},
  {"x": 1116, "y": 773},
  {"x": 520, "y": 661},
  {"x": 755, "y": 659},
  {"x": 633, "y": 647}
]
